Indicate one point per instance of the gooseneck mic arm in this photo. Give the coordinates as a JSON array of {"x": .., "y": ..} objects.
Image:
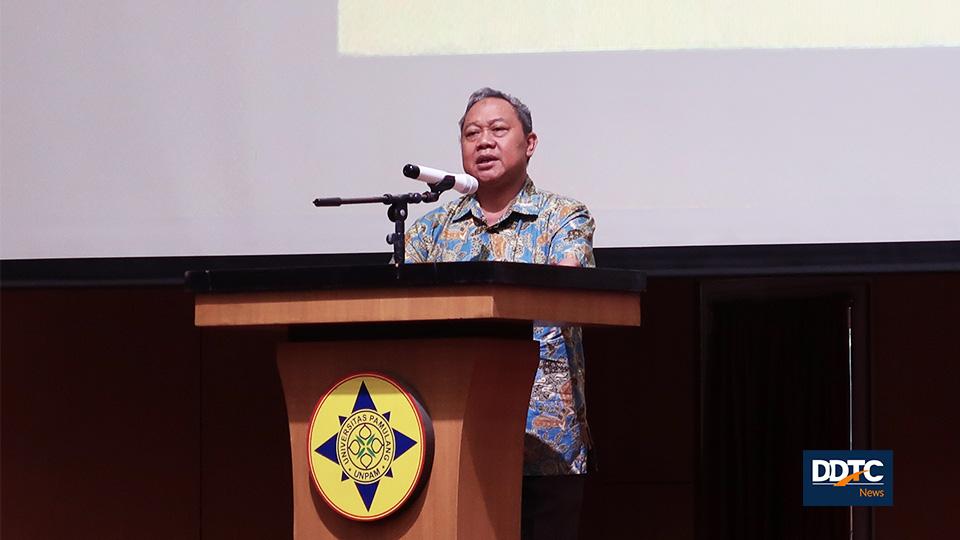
[{"x": 397, "y": 211}]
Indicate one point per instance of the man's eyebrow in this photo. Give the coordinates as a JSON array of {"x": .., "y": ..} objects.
[{"x": 492, "y": 121}]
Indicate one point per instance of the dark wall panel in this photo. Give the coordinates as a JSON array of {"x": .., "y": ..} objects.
[
  {"x": 122, "y": 420},
  {"x": 247, "y": 482},
  {"x": 642, "y": 407},
  {"x": 916, "y": 370},
  {"x": 100, "y": 401}
]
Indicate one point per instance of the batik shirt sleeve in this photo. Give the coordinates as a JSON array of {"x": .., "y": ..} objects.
[
  {"x": 419, "y": 239},
  {"x": 574, "y": 237}
]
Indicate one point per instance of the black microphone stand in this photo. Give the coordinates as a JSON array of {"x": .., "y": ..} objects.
[{"x": 397, "y": 212}]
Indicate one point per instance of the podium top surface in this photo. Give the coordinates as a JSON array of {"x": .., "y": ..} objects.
[
  {"x": 414, "y": 275},
  {"x": 417, "y": 292}
]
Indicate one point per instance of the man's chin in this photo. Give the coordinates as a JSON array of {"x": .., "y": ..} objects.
[{"x": 489, "y": 176}]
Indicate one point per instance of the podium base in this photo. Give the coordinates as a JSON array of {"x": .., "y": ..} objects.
[{"x": 475, "y": 389}]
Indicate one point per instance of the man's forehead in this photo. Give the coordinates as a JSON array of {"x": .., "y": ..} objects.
[{"x": 491, "y": 109}]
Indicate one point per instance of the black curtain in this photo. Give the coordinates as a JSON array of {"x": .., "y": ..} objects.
[{"x": 775, "y": 383}]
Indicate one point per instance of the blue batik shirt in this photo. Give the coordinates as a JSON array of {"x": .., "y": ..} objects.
[{"x": 541, "y": 228}]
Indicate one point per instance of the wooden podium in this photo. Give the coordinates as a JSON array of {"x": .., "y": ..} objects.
[{"x": 458, "y": 334}]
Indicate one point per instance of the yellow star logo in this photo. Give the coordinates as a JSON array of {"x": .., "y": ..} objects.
[{"x": 366, "y": 446}]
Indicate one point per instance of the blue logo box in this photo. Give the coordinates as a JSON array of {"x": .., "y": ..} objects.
[{"x": 848, "y": 477}]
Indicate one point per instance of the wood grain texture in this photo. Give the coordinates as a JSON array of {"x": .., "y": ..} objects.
[
  {"x": 419, "y": 304},
  {"x": 476, "y": 391}
]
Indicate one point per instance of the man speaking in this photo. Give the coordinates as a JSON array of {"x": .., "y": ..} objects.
[{"x": 510, "y": 219}]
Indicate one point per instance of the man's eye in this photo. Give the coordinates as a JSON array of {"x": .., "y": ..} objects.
[{"x": 500, "y": 129}]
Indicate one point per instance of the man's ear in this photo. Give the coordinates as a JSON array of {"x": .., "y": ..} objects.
[{"x": 531, "y": 144}]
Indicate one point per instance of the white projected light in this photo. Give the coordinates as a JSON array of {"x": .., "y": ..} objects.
[
  {"x": 208, "y": 128},
  {"x": 431, "y": 27}
]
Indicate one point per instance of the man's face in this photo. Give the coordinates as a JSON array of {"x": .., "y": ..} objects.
[{"x": 492, "y": 144}]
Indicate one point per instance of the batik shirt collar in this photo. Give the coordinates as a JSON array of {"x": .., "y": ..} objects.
[{"x": 527, "y": 202}]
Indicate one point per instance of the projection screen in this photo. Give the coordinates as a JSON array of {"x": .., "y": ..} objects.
[{"x": 163, "y": 128}]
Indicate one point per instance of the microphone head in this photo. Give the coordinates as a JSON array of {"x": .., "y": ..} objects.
[
  {"x": 466, "y": 184},
  {"x": 411, "y": 171}
]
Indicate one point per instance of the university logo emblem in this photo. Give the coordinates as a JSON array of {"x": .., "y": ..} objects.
[{"x": 371, "y": 446}]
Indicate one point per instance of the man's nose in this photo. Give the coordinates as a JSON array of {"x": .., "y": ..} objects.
[{"x": 485, "y": 140}]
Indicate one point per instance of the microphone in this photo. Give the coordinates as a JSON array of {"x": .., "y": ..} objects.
[{"x": 463, "y": 183}]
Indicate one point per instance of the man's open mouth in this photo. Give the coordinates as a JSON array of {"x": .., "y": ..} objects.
[{"x": 484, "y": 160}]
